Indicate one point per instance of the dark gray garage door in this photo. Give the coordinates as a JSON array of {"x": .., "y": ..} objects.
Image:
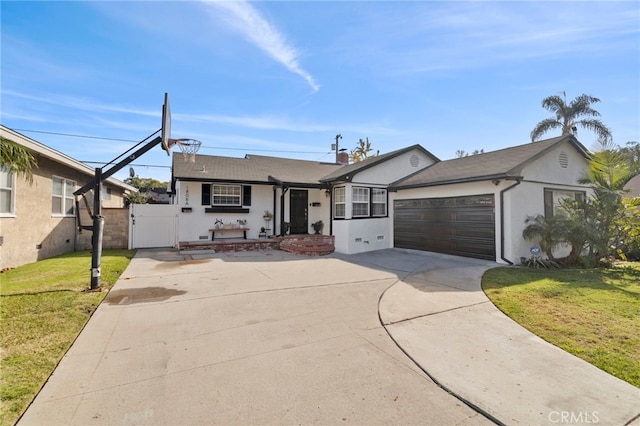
[{"x": 463, "y": 226}]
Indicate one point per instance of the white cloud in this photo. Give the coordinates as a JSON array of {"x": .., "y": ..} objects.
[{"x": 250, "y": 23}]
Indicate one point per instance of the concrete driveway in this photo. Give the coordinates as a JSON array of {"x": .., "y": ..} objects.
[{"x": 245, "y": 338}]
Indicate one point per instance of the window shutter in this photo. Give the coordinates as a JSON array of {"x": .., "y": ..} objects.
[
  {"x": 206, "y": 194},
  {"x": 246, "y": 195}
]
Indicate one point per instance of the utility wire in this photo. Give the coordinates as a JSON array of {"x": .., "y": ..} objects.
[
  {"x": 132, "y": 164},
  {"x": 203, "y": 146}
]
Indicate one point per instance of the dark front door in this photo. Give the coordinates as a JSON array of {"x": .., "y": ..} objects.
[{"x": 298, "y": 212}]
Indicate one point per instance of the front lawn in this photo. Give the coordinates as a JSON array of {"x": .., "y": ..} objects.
[
  {"x": 591, "y": 313},
  {"x": 44, "y": 306}
]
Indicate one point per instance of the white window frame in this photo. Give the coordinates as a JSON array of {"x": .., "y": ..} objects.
[
  {"x": 339, "y": 199},
  {"x": 378, "y": 197},
  {"x": 66, "y": 199},
  {"x": 106, "y": 193},
  {"x": 360, "y": 196},
  {"x": 225, "y": 197},
  {"x": 11, "y": 190}
]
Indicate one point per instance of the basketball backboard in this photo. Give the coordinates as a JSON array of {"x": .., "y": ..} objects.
[{"x": 165, "y": 134}]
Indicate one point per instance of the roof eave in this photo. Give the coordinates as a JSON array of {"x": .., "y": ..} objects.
[{"x": 457, "y": 181}]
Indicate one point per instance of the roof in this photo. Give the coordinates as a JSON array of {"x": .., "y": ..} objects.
[
  {"x": 350, "y": 169},
  {"x": 252, "y": 169},
  {"x": 57, "y": 156},
  {"x": 501, "y": 164}
]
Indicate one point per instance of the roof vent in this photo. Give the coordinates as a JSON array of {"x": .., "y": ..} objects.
[
  {"x": 414, "y": 160},
  {"x": 563, "y": 159}
]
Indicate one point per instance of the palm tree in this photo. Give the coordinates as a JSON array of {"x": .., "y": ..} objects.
[
  {"x": 549, "y": 231},
  {"x": 361, "y": 152},
  {"x": 568, "y": 117},
  {"x": 17, "y": 159}
]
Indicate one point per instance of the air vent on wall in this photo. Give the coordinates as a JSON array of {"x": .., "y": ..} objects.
[
  {"x": 414, "y": 160},
  {"x": 563, "y": 159}
]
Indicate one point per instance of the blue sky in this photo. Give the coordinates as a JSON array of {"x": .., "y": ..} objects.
[{"x": 283, "y": 78}]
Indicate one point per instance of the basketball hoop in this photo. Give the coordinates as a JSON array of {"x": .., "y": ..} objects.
[{"x": 189, "y": 147}]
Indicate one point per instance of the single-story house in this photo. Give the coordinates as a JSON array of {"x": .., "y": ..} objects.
[
  {"x": 472, "y": 206},
  {"x": 38, "y": 219}
]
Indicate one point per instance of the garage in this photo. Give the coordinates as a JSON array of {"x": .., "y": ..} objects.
[{"x": 462, "y": 226}]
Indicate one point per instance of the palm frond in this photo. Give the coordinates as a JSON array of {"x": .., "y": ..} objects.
[
  {"x": 543, "y": 127},
  {"x": 17, "y": 159},
  {"x": 597, "y": 127}
]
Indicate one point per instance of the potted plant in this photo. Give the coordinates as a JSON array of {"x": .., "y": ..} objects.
[
  {"x": 267, "y": 216},
  {"x": 242, "y": 222},
  {"x": 317, "y": 226},
  {"x": 285, "y": 228}
]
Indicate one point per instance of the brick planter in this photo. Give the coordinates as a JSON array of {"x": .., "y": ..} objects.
[
  {"x": 236, "y": 245},
  {"x": 309, "y": 245}
]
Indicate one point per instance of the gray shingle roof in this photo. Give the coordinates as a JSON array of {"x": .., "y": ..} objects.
[
  {"x": 503, "y": 163},
  {"x": 251, "y": 169},
  {"x": 350, "y": 169}
]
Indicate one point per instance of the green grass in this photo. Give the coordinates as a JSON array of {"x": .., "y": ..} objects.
[
  {"x": 593, "y": 313},
  {"x": 43, "y": 307}
]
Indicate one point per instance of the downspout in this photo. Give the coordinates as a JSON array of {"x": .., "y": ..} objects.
[{"x": 518, "y": 181}]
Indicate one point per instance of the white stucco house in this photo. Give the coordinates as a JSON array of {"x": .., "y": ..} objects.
[{"x": 472, "y": 206}]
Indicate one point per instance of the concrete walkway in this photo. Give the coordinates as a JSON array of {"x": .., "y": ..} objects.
[
  {"x": 442, "y": 319},
  {"x": 273, "y": 338}
]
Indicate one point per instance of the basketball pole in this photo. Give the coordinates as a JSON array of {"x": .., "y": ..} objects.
[
  {"x": 98, "y": 230},
  {"x": 98, "y": 219}
]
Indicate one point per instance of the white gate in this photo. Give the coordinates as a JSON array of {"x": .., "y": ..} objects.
[{"x": 152, "y": 225}]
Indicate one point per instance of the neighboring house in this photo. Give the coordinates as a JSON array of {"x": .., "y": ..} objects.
[
  {"x": 473, "y": 206},
  {"x": 632, "y": 188},
  {"x": 157, "y": 195},
  {"x": 38, "y": 220}
]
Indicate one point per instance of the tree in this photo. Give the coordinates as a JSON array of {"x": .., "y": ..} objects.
[
  {"x": 140, "y": 183},
  {"x": 606, "y": 219},
  {"x": 462, "y": 153},
  {"x": 17, "y": 159},
  {"x": 361, "y": 152},
  {"x": 548, "y": 230},
  {"x": 137, "y": 198},
  {"x": 632, "y": 153},
  {"x": 569, "y": 117}
]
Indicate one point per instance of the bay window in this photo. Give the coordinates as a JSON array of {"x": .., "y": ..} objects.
[
  {"x": 378, "y": 202},
  {"x": 360, "y": 201},
  {"x": 339, "y": 202}
]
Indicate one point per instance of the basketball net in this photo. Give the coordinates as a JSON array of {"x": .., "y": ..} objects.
[{"x": 189, "y": 147}]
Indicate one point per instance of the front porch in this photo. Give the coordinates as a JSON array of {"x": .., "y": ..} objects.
[{"x": 304, "y": 244}]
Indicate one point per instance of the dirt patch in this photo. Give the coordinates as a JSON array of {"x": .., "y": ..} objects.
[
  {"x": 141, "y": 295},
  {"x": 176, "y": 264}
]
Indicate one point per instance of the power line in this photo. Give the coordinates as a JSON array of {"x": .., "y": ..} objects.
[
  {"x": 75, "y": 136},
  {"x": 132, "y": 164},
  {"x": 203, "y": 146}
]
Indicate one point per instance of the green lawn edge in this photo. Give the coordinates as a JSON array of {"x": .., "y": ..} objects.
[
  {"x": 593, "y": 314},
  {"x": 44, "y": 306}
]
